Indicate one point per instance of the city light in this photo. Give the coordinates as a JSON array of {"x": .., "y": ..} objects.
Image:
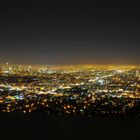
[{"x": 70, "y": 90}]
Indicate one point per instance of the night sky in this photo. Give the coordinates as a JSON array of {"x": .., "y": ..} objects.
[{"x": 41, "y": 32}]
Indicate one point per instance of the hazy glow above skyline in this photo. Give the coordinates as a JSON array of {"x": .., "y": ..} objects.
[{"x": 69, "y": 33}]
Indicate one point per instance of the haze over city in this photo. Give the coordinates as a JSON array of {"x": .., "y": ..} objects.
[{"x": 69, "y": 33}]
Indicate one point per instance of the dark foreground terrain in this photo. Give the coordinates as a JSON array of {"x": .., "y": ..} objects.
[{"x": 38, "y": 126}]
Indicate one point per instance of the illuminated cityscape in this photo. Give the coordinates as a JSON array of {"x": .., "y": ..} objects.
[
  {"x": 80, "y": 90},
  {"x": 69, "y": 70}
]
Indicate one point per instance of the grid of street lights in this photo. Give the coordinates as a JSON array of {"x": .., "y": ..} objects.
[{"x": 81, "y": 90}]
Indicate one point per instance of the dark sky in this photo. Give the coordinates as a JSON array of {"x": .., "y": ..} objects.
[{"x": 60, "y": 32}]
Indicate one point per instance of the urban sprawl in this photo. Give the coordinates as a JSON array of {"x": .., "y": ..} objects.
[{"x": 82, "y": 90}]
